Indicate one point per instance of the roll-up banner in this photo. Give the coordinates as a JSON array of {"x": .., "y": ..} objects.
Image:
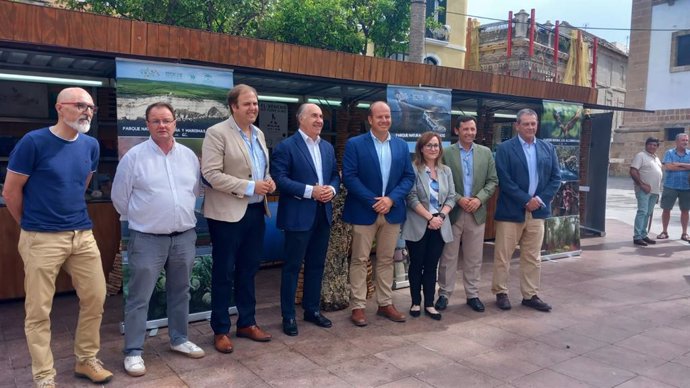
[
  {"x": 561, "y": 126},
  {"x": 198, "y": 95},
  {"x": 413, "y": 112}
]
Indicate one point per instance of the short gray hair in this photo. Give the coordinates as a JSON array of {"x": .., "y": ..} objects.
[
  {"x": 678, "y": 136},
  {"x": 525, "y": 112}
]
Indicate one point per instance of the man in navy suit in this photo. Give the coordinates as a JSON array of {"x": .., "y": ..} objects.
[
  {"x": 528, "y": 178},
  {"x": 306, "y": 173},
  {"x": 378, "y": 174}
]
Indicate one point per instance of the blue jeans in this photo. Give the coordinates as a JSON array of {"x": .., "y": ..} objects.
[{"x": 645, "y": 207}]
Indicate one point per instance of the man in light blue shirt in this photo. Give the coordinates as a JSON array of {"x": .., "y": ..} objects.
[
  {"x": 474, "y": 175},
  {"x": 378, "y": 174},
  {"x": 529, "y": 176},
  {"x": 677, "y": 166}
]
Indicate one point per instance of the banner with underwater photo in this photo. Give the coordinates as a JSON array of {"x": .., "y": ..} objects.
[
  {"x": 418, "y": 110},
  {"x": 198, "y": 95},
  {"x": 560, "y": 125}
]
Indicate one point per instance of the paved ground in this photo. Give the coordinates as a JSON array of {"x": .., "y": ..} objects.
[
  {"x": 620, "y": 319},
  {"x": 621, "y": 205}
]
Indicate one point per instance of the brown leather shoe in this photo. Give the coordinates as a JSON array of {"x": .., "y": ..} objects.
[
  {"x": 254, "y": 333},
  {"x": 391, "y": 313},
  {"x": 358, "y": 317},
  {"x": 222, "y": 343}
]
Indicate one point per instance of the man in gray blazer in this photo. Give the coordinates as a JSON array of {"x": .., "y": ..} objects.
[{"x": 474, "y": 174}]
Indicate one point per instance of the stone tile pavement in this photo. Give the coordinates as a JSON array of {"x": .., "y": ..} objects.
[{"x": 621, "y": 318}]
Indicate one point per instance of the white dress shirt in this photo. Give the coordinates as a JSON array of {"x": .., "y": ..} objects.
[
  {"x": 315, "y": 152},
  {"x": 157, "y": 192}
]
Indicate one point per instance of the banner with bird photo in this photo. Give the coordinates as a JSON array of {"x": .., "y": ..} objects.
[
  {"x": 561, "y": 126},
  {"x": 198, "y": 95}
]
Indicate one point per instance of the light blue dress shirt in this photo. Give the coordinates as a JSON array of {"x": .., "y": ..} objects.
[
  {"x": 467, "y": 159},
  {"x": 677, "y": 180},
  {"x": 383, "y": 151},
  {"x": 530, "y": 151},
  {"x": 258, "y": 164}
]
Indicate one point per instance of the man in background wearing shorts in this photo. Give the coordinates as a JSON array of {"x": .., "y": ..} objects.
[{"x": 677, "y": 166}]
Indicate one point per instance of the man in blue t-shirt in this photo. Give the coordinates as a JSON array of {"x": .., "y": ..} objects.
[
  {"x": 677, "y": 168},
  {"x": 47, "y": 176}
]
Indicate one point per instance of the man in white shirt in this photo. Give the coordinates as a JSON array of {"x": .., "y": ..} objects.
[
  {"x": 155, "y": 190},
  {"x": 646, "y": 172}
]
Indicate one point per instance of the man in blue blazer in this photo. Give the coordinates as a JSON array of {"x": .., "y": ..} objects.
[
  {"x": 306, "y": 174},
  {"x": 528, "y": 178},
  {"x": 378, "y": 174}
]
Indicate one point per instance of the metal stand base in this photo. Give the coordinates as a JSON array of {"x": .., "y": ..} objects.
[{"x": 155, "y": 324}]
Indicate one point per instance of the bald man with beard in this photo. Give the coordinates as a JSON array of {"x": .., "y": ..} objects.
[{"x": 47, "y": 176}]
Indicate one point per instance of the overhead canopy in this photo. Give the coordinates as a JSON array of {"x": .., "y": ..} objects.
[{"x": 39, "y": 39}]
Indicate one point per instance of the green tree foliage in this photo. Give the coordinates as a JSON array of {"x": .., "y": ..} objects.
[
  {"x": 236, "y": 17},
  {"x": 385, "y": 23},
  {"x": 326, "y": 24},
  {"x": 344, "y": 25}
]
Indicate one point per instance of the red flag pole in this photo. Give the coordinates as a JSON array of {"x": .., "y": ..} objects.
[
  {"x": 555, "y": 52},
  {"x": 594, "y": 62},
  {"x": 531, "y": 40}
]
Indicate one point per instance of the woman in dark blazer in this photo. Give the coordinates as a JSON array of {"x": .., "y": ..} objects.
[{"x": 427, "y": 227}]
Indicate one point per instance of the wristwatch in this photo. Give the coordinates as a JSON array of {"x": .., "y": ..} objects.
[{"x": 442, "y": 215}]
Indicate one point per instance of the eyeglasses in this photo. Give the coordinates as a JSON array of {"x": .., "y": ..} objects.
[
  {"x": 161, "y": 122},
  {"x": 432, "y": 146},
  {"x": 81, "y": 106}
]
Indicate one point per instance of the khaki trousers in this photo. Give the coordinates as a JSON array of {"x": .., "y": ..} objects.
[
  {"x": 470, "y": 254},
  {"x": 43, "y": 255},
  {"x": 386, "y": 236},
  {"x": 530, "y": 235}
]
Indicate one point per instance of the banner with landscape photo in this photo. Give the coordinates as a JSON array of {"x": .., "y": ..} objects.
[{"x": 198, "y": 95}]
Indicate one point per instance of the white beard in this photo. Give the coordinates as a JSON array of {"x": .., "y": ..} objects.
[{"x": 78, "y": 126}]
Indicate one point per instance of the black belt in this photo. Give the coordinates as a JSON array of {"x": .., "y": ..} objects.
[{"x": 173, "y": 234}]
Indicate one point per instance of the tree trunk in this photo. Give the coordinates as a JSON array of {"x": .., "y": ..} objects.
[{"x": 417, "y": 30}]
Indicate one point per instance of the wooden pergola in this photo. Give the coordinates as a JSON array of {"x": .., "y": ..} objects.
[{"x": 56, "y": 28}]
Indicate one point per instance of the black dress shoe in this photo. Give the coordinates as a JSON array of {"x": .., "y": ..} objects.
[
  {"x": 318, "y": 319},
  {"x": 435, "y": 316},
  {"x": 502, "y": 301},
  {"x": 290, "y": 327},
  {"x": 476, "y": 304},
  {"x": 441, "y": 303},
  {"x": 415, "y": 313},
  {"x": 640, "y": 242},
  {"x": 649, "y": 241},
  {"x": 536, "y": 304}
]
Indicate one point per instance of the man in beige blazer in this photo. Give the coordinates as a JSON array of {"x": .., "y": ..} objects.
[
  {"x": 235, "y": 168},
  {"x": 474, "y": 174}
]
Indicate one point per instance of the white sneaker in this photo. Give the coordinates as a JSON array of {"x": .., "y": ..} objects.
[
  {"x": 134, "y": 365},
  {"x": 189, "y": 349},
  {"x": 45, "y": 383}
]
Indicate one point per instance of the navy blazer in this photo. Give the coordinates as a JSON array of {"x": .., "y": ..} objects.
[
  {"x": 292, "y": 169},
  {"x": 513, "y": 180},
  {"x": 362, "y": 178}
]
